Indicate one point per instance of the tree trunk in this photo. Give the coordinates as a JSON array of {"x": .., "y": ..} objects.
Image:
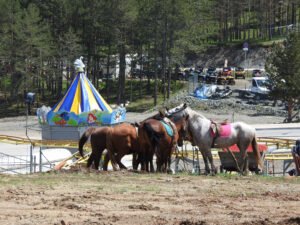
[
  {"x": 59, "y": 79},
  {"x": 141, "y": 72},
  {"x": 164, "y": 51},
  {"x": 155, "y": 68},
  {"x": 290, "y": 108},
  {"x": 107, "y": 71},
  {"x": 121, "y": 90}
]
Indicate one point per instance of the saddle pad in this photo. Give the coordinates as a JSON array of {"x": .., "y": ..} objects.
[
  {"x": 168, "y": 128},
  {"x": 225, "y": 130}
]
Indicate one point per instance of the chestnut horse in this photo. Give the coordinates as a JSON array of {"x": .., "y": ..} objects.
[
  {"x": 121, "y": 140},
  {"x": 155, "y": 139},
  {"x": 124, "y": 142}
]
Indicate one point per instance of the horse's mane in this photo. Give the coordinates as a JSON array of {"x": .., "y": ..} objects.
[{"x": 193, "y": 114}]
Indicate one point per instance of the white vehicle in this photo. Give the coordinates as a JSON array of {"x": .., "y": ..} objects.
[
  {"x": 259, "y": 88},
  {"x": 259, "y": 85}
]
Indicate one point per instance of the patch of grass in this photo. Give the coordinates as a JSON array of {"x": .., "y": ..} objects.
[
  {"x": 269, "y": 43},
  {"x": 259, "y": 178}
]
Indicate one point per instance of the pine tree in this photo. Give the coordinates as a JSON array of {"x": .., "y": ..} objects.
[
  {"x": 9, "y": 44},
  {"x": 284, "y": 69},
  {"x": 33, "y": 38}
]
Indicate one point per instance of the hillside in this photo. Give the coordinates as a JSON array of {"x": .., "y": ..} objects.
[{"x": 235, "y": 55}]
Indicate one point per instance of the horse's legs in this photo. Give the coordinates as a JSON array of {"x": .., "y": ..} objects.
[
  {"x": 170, "y": 159},
  {"x": 97, "y": 157},
  {"x": 118, "y": 160},
  {"x": 158, "y": 159},
  {"x": 135, "y": 161},
  {"x": 243, "y": 151},
  {"x": 158, "y": 163},
  {"x": 245, "y": 164},
  {"x": 150, "y": 161},
  {"x": 207, "y": 169},
  {"x": 169, "y": 164},
  {"x": 105, "y": 161},
  {"x": 90, "y": 160},
  {"x": 210, "y": 158}
]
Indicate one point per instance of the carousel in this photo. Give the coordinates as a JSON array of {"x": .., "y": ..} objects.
[{"x": 81, "y": 107}]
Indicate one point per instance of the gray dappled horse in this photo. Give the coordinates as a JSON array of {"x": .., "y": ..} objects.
[{"x": 200, "y": 134}]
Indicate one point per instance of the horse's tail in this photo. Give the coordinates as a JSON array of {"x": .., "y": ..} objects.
[
  {"x": 110, "y": 148},
  {"x": 83, "y": 139},
  {"x": 153, "y": 136},
  {"x": 257, "y": 154}
]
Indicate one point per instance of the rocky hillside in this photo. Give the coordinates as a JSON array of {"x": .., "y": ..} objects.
[{"x": 255, "y": 57}]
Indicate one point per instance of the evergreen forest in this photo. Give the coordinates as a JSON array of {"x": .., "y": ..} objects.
[{"x": 41, "y": 39}]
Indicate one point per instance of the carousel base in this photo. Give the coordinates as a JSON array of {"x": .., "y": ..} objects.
[{"x": 62, "y": 132}]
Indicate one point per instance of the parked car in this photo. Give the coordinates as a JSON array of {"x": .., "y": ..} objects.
[
  {"x": 210, "y": 78},
  {"x": 222, "y": 80},
  {"x": 211, "y": 70},
  {"x": 240, "y": 73}
]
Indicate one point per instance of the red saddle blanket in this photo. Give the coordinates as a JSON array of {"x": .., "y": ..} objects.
[{"x": 223, "y": 131}]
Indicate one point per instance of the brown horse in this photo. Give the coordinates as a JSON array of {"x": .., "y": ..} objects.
[
  {"x": 154, "y": 139},
  {"x": 122, "y": 140},
  {"x": 98, "y": 144}
]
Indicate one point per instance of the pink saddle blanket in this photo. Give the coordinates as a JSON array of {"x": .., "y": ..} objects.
[{"x": 225, "y": 131}]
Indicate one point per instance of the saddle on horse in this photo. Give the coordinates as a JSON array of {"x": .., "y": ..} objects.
[
  {"x": 222, "y": 129},
  {"x": 166, "y": 122},
  {"x": 169, "y": 126}
]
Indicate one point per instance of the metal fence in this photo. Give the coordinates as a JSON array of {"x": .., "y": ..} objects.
[{"x": 24, "y": 164}]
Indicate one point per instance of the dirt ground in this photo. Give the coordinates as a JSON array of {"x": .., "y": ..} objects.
[{"x": 125, "y": 197}]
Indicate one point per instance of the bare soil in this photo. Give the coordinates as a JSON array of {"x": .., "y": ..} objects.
[{"x": 124, "y": 197}]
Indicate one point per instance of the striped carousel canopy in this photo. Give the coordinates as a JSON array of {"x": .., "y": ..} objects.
[{"x": 81, "y": 97}]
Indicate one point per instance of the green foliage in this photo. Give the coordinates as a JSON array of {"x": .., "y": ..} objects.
[
  {"x": 41, "y": 39},
  {"x": 284, "y": 69}
]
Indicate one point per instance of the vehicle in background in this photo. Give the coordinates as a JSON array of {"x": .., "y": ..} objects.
[
  {"x": 183, "y": 73},
  {"x": 240, "y": 73},
  {"x": 211, "y": 70},
  {"x": 226, "y": 71},
  {"x": 223, "y": 80},
  {"x": 256, "y": 73},
  {"x": 199, "y": 69},
  {"x": 259, "y": 88},
  {"x": 225, "y": 77},
  {"x": 210, "y": 78},
  {"x": 260, "y": 85}
]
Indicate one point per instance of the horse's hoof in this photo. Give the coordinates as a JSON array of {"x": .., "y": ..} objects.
[{"x": 245, "y": 173}]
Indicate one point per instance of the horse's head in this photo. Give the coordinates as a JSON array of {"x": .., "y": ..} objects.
[
  {"x": 177, "y": 109},
  {"x": 181, "y": 123},
  {"x": 180, "y": 117}
]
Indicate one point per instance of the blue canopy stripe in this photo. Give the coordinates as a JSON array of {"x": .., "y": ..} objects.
[{"x": 82, "y": 96}]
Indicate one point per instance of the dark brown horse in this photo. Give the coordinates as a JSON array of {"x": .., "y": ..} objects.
[
  {"x": 155, "y": 139},
  {"x": 98, "y": 144},
  {"x": 121, "y": 139}
]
